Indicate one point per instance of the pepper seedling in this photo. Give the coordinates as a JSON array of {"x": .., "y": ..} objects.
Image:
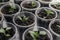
[
  {"x": 48, "y": 12},
  {"x": 12, "y": 6},
  {"x": 57, "y": 5},
  {"x": 23, "y": 18},
  {"x": 35, "y": 34},
  {"x": 33, "y": 4},
  {"x": 4, "y": 30},
  {"x": 58, "y": 26}
]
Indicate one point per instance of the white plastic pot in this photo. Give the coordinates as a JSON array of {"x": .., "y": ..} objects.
[
  {"x": 28, "y": 8},
  {"x": 40, "y": 28},
  {"x": 37, "y": 11},
  {"x": 11, "y": 14},
  {"x": 52, "y": 7},
  {"x": 56, "y": 35},
  {"x": 25, "y": 12}
]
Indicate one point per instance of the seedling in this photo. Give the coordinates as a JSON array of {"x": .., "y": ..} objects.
[
  {"x": 4, "y": 30},
  {"x": 12, "y": 6},
  {"x": 23, "y": 18},
  {"x": 11, "y": 9},
  {"x": 36, "y": 34},
  {"x": 48, "y": 12},
  {"x": 57, "y": 5},
  {"x": 33, "y": 4}
]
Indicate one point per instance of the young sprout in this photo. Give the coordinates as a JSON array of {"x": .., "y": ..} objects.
[
  {"x": 57, "y": 5},
  {"x": 3, "y": 31},
  {"x": 11, "y": 9},
  {"x": 23, "y": 18},
  {"x": 48, "y": 12},
  {"x": 36, "y": 34},
  {"x": 58, "y": 26},
  {"x": 33, "y": 4},
  {"x": 12, "y": 6}
]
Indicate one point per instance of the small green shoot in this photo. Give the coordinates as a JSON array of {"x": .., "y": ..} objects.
[
  {"x": 58, "y": 26},
  {"x": 23, "y": 19},
  {"x": 57, "y": 5},
  {"x": 3, "y": 31},
  {"x": 12, "y": 6},
  {"x": 48, "y": 12},
  {"x": 12, "y": 9},
  {"x": 33, "y": 4},
  {"x": 36, "y": 34}
]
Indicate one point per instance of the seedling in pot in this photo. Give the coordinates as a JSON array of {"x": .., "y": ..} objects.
[
  {"x": 46, "y": 13},
  {"x": 30, "y": 4},
  {"x": 5, "y": 31},
  {"x": 56, "y": 27},
  {"x": 56, "y": 5},
  {"x": 33, "y": 4},
  {"x": 23, "y": 18},
  {"x": 10, "y": 9},
  {"x": 12, "y": 6}
]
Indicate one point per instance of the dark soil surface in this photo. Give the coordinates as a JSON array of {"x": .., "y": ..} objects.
[
  {"x": 43, "y": 14},
  {"x": 55, "y": 28},
  {"x": 6, "y": 9}
]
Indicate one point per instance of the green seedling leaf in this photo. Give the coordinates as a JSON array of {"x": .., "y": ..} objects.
[
  {"x": 23, "y": 19},
  {"x": 48, "y": 12},
  {"x": 8, "y": 28},
  {"x": 34, "y": 34},
  {"x": 57, "y": 5},
  {"x": 7, "y": 35},
  {"x": 2, "y": 30},
  {"x": 33, "y": 4},
  {"x": 19, "y": 17},
  {"x": 42, "y": 33},
  {"x": 58, "y": 26}
]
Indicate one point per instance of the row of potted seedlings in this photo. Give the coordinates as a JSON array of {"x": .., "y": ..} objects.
[{"x": 27, "y": 19}]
